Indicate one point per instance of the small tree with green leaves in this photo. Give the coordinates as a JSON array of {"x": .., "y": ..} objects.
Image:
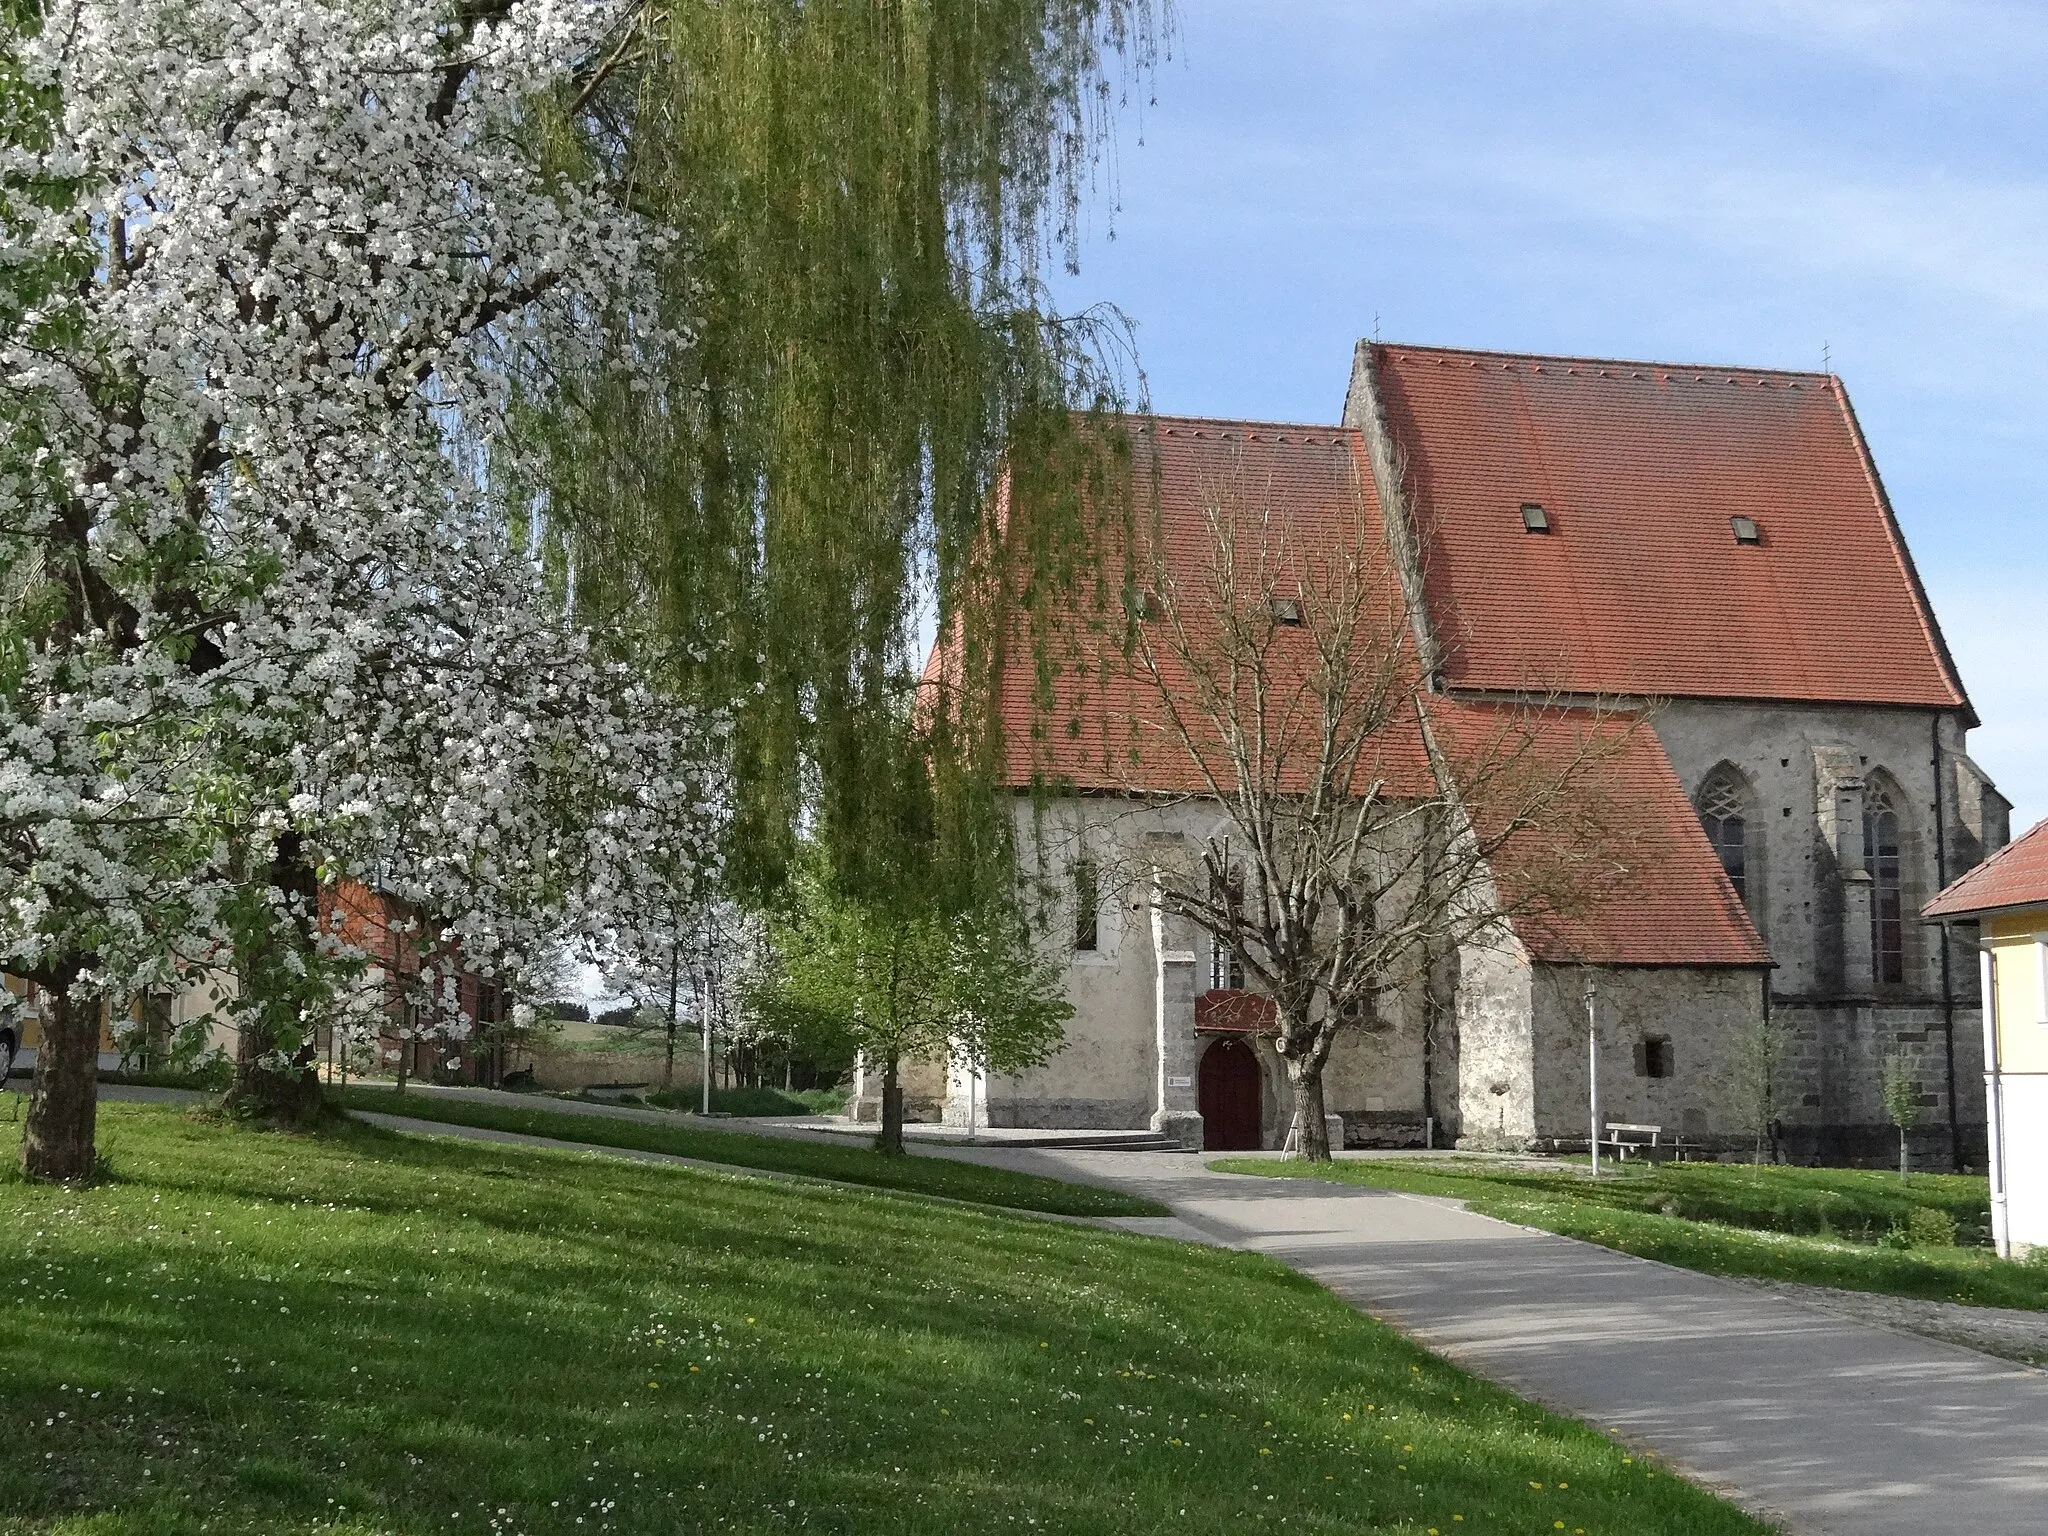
[
  {"x": 907, "y": 978},
  {"x": 1900, "y": 1089},
  {"x": 1762, "y": 1077}
]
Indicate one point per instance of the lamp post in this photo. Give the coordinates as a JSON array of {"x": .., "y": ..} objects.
[
  {"x": 1593, "y": 1073},
  {"x": 704, "y": 1024}
]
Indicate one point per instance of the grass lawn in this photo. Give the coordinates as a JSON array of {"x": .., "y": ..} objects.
[
  {"x": 781, "y": 1154},
  {"x": 1816, "y": 1225},
  {"x": 245, "y": 1332}
]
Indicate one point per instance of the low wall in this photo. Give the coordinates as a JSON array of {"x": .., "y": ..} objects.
[{"x": 571, "y": 1070}]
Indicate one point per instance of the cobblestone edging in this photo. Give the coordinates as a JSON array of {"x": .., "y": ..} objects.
[{"x": 2008, "y": 1332}]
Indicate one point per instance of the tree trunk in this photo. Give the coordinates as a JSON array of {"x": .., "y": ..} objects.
[
  {"x": 63, "y": 1104},
  {"x": 1311, "y": 1131},
  {"x": 270, "y": 959},
  {"x": 668, "y": 1064},
  {"x": 1902, "y": 1152},
  {"x": 890, "y": 1142},
  {"x": 261, "y": 1090}
]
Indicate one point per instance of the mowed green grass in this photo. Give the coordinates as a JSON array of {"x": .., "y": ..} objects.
[
  {"x": 1814, "y": 1225},
  {"x": 821, "y": 1159},
  {"x": 362, "y": 1332}
]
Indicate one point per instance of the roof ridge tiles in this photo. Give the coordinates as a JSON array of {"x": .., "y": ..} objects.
[
  {"x": 1249, "y": 423},
  {"x": 1476, "y": 354}
]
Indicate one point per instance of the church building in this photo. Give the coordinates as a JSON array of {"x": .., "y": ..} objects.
[{"x": 1713, "y": 544}]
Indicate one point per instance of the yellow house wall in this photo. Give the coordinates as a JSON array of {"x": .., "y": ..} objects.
[{"x": 2022, "y": 1037}]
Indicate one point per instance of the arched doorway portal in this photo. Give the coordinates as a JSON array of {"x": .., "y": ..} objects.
[{"x": 1228, "y": 1095}]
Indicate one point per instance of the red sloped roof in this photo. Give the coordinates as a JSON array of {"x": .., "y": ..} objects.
[
  {"x": 2015, "y": 876},
  {"x": 1663, "y": 896},
  {"x": 1640, "y": 588},
  {"x": 1097, "y": 722}
]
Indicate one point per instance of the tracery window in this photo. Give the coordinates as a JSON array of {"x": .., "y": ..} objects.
[
  {"x": 1887, "y": 898},
  {"x": 1724, "y": 814}
]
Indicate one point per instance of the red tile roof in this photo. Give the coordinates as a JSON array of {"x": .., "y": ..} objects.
[
  {"x": 2015, "y": 876},
  {"x": 1663, "y": 898},
  {"x": 1097, "y": 722},
  {"x": 1640, "y": 588}
]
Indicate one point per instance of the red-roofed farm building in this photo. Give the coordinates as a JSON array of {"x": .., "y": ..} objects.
[{"x": 1709, "y": 546}]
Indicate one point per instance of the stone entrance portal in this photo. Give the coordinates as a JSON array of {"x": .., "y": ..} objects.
[{"x": 1229, "y": 1095}]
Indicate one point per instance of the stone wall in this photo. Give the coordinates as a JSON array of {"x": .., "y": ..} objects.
[
  {"x": 1104, "y": 1075},
  {"x": 1490, "y": 1102},
  {"x": 1699, "y": 1015},
  {"x": 1835, "y": 1110},
  {"x": 924, "y": 1092},
  {"x": 1808, "y": 770},
  {"x": 1131, "y": 1056}
]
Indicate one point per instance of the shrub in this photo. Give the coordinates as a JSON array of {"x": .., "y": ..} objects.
[{"x": 1929, "y": 1227}]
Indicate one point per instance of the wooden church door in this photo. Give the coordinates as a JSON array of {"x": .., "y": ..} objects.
[{"x": 1228, "y": 1096}]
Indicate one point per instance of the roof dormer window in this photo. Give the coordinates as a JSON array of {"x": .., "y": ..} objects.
[
  {"x": 1534, "y": 518},
  {"x": 1747, "y": 530},
  {"x": 1287, "y": 611}
]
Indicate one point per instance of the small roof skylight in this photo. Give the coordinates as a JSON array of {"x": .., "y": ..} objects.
[
  {"x": 1746, "y": 530},
  {"x": 1286, "y": 610},
  {"x": 1534, "y": 518}
]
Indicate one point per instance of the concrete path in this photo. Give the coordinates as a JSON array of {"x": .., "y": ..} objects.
[{"x": 1828, "y": 1425}]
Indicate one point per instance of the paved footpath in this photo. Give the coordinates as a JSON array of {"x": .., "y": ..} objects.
[{"x": 1828, "y": 1425}]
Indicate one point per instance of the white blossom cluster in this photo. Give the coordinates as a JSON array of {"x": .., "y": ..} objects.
[{"x": 271, "y": 276}]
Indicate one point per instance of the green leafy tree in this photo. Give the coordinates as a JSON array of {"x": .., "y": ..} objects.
[
  {"x": 904, "y": 978},
  {"x": 1899, "y": 1087},
  {"x": 1763, "y": 1075}
]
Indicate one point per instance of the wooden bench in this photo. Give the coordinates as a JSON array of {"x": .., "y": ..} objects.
[{"x": 1645, "y": 1139}]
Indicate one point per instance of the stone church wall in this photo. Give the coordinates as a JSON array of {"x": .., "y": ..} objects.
[
  {"x": 1807, "y": 770},
  {"x": 1699, "y": 1016},
  {"x": 1492, "y": 1096}
]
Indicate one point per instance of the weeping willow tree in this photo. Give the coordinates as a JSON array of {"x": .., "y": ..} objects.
[{"x": 860, "y": 350}]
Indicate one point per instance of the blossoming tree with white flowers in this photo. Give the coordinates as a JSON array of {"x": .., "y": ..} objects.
[{"x": 263, "y": 628}]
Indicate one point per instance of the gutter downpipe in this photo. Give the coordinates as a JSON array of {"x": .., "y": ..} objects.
[
  {"x": 1948, "y": 991},
  {"x": 1994, "y": 1098}
]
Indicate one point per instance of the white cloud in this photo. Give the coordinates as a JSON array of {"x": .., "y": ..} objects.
[
  {"x": 1980, "y": 240},
  {"x": 1915, "y": 38},
  {"x": 1907, "y": 37}
]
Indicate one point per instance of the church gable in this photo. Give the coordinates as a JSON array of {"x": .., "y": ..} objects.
[{"x": 1646, "y": 529}]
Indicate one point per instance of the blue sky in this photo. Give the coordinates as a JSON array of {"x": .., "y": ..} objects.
[{"x": 1737, "y": 182}]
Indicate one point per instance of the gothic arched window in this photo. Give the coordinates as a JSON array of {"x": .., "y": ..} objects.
[
  {"x": 1887, "y": 897},
  {"x": 1724, "y": 814}
]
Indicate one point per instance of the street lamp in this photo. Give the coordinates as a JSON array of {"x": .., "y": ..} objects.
[{"x": 1593, "y": 1073}]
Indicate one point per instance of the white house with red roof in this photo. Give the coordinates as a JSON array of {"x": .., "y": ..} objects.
[
  {"x": 1711, "y": 544},
  {"x": 2006, "y": 899}
]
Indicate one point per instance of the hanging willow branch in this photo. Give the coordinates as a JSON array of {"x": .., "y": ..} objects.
[{"x": 868, "y": 192}]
